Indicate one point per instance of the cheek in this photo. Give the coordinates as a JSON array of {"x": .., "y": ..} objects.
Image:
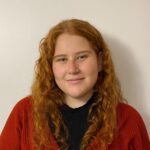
[
  {"x": 91, "y": 68},
  {"x": 58, "y": 71}
]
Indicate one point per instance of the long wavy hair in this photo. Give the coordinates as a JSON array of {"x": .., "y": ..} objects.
[{"x": 47, "y": 98}]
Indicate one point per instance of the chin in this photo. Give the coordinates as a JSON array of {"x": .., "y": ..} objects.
[{"x": 78, "y": 96}]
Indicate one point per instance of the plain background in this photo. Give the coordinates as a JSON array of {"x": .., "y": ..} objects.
[{"x": 125, "y": 25}]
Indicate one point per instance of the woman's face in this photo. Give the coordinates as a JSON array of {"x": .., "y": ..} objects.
[{"x": 75, "y": 67}]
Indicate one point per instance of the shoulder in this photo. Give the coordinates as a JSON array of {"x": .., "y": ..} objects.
[
  {"x": 18, "y": 125},
  {"x": 24, "y": 104},
  {"x": 130, "y": 121},
  {"x": 126, "y": 112},
  {"x": 20, "y": 115},
  {"x": 22, "y": 108},
  {"x": 131, "y": 131}
]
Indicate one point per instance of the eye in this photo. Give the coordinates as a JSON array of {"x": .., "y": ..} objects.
[
  {"x": 82, "y": 57},
  {"x": 61, "y": 60}
]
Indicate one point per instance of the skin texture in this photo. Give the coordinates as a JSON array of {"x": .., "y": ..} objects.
[{"x": 75, "y": 67}]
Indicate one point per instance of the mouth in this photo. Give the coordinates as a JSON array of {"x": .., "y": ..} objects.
[{"x": 76, "y": 80}]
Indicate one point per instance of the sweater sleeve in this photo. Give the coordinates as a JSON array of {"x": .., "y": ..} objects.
[
  {"x": 11, "y": 135},
  {"x": 131, "y": 133},
  {"x": 140, "y": 139}
]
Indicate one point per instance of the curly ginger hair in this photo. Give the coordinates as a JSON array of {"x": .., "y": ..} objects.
[{"x": 47, "y": 98}]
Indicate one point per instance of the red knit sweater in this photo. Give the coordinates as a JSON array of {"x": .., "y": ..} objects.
[{"x": 17, "y": 133}]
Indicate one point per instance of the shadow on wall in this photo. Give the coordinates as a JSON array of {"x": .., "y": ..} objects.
[{"x": 129, "y": 74}]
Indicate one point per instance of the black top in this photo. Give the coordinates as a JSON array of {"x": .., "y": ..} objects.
[{"x": 76, "y": 121}]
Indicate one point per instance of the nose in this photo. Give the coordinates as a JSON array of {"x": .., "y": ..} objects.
[{"x": 73, "y": 67}]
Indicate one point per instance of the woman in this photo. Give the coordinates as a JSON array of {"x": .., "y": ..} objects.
[{"x": 76, "y": 101}]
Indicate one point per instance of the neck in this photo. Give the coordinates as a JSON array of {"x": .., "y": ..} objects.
[{"x": 77, "y": 102}]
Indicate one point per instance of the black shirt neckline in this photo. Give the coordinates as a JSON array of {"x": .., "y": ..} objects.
[{"x": 68, "y": 109}]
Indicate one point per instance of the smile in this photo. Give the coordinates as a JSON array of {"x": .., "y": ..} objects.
[{"x": 74, "y": 81}]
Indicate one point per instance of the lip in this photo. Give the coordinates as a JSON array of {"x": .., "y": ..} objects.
[{"x": 76, "y": 80}]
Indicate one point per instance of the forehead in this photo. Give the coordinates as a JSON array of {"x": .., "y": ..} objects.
[{"x": 68, "y": 43}]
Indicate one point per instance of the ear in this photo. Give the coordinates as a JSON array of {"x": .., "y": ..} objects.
[{"x": 100, "y": 61}]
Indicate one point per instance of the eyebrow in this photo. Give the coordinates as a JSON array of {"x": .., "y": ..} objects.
[{"x": 77, "y": 53}]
